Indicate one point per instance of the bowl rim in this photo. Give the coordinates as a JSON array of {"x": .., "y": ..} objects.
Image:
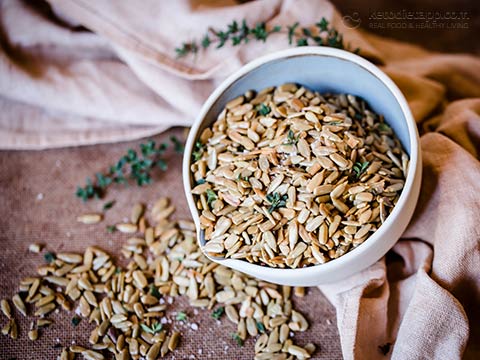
[{"x": 413, "y": 171}]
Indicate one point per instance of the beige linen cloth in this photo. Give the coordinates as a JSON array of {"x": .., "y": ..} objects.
[{"x": 64, "y": 85}]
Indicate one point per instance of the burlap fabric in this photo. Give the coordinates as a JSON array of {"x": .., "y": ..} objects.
[{"x": 38, "y": 205}]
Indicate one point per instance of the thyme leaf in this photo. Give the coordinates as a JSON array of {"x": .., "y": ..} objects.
[
  {"x": 153, "y": 329},
  {"x": 108, "y": 205},
  {"x": 359, "y": 168},
  {"x": 260, "y": 327},
  {"x": 263, "y": 109},
  {"x": 291, "y": 138},
  {"x": 181, "y": 316},
  {"x": 211, "y": 196},
  {"x": 49, "y": 257},
  {"x": 237, "y": 338},
  {"x": 276, "y": 201},
  {"x": 383, "y": 127},
  {"x": 218, "y": 312},
  {"x": 154, "y": 291},
  {"x": 198, "y": 150}
]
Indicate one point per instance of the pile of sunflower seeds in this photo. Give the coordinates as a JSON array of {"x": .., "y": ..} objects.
[
  {"x": 291, "y": 178},
  {"x": 128, "y": 305}
]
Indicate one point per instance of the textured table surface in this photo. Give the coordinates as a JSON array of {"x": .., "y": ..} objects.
[{"x": 38, "y": 205}]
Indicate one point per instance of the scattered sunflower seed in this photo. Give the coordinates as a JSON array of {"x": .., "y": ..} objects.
[
  {"x": 89, "y": 218},
  {"x": 19, "y": 304},
  {"x": 129, "y": 321},
  {"x": 6, "y": 310},
  {"x": 35, "y": 248}
]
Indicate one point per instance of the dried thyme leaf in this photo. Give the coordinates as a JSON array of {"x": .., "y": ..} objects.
[
  {"x": 198, "y": 150},
  {"x": 76, "y": 320},
  {"x": 108, "y": 205},
  {"x": 154, "y": 291},
  {"x": 359, "y": 168},
  {"x": 260, "y": 327},
  {"x": 276, "y": 201},
  {"x": 383, "y": 127},
  {"x": 218, "y": 312},
  {"x": 181, "y": 316},
  {"x": 49, "y": 257},
  {"x": 237, "y": 338},
  {"x": 291, "y": 138},
  {"x": 177, "y": 145},
  {"x": 211, "y": 196},
  {"x": 263, "y": 109},
  {"x": 153, "y": 329}
]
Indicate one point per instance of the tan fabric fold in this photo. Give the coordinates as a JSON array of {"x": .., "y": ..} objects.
[
  {"x": 85, "y": 72},
  {"x": 421, "y": 297}
]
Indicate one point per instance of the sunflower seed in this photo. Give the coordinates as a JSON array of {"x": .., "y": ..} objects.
[
  {"x": 13, "y": 329},
  {"x": 19, "y": 304},
  {"x": 33, "y": 334},
  {"x": 251, "y": 327},
  {"x": 44, "y": 322},
  {"x": 127, "y": 228},
  {"x": 70, "y": 258},
  {"x": 153, "y": 351},
  {"x": 92, "y": 355},
  {"x": 35, "y": 248},
  {"x": 298, "y": 351},
  {"x": 6, "y": 310},
  {"x": 89, "y": 218},
  {"x": 44, "y": 301},
  {"x": 44, "y": 310},
  {"x": 173, "y": 342},
  {"x": 137, "y": 212}
]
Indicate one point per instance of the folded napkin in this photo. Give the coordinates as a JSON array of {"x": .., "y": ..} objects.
[{"x": 64, "y": 85}]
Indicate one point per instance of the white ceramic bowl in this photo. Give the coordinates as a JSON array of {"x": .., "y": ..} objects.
[{"x": 325, "y": 70}]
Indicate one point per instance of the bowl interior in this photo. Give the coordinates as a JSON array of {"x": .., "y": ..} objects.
[{"x": 322, "y": 73}]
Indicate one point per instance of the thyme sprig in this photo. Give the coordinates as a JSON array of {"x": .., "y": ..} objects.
[
  {"x": 359, "y": 168},
  {"x": 237, "y": 338},
  {"x": 152, "y": 329},
  {"x": 181, "y": 316},
  {"x": 384, "y": 127},
  {"x": 198, "y": 150},
  {"x": 263, "y": 109},
  {"x": 321, "y": 34},
  {"x": 291, "y": 138},
  {"x": 260, "y": 327},
  {"x": 276, "y": 201},
  {"x": 154, "y": 291},
  {"x": 49, "y": 257},
  {"x": 76, "y": 320},
  {"x": 218, "y": 312},
  {"x": 134, "y": 165},
  {"x": 211, "y": 196}
]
